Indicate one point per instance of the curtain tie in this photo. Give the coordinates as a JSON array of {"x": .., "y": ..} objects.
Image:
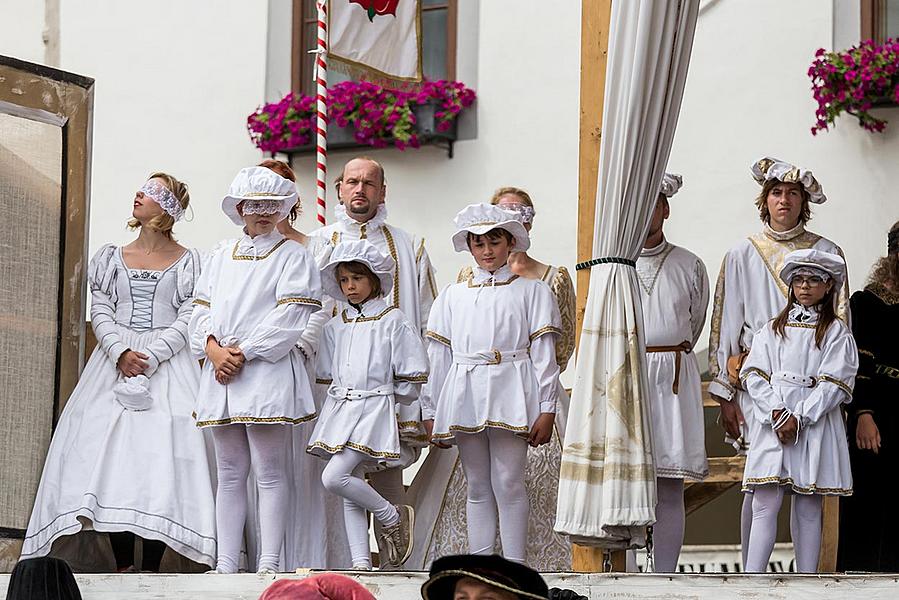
[{"x": 604, "y": 261}]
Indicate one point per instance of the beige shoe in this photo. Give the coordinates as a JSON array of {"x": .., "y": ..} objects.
[{"x": 396, "y": 540}]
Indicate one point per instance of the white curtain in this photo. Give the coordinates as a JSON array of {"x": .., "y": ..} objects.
[{"x": 607, "y": 492}]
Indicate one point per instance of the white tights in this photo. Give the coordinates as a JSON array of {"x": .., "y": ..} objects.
[
  {"x": 668, "y": 530},
  {"x": 805, "y": 528},
  {"x": 236, "y": 447},
  {"x": 494, "y": 463},
  {"x": 343, "y": 477}
]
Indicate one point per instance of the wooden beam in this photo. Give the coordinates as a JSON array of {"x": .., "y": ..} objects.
[
  {"x": 595, "y": 18},
  {"x": 697, "y": 495},
  {"x": 830, "y": 535}
]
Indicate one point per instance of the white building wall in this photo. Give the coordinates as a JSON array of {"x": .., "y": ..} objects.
[{"x": 21, "y": 29}]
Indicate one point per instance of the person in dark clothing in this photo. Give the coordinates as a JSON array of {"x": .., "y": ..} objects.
[
  {"x": 868, "y": 526},
  {"x": 44, "y": 578}
]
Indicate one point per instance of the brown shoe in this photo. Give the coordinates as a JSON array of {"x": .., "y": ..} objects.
[{"x": 396, "y": 540}]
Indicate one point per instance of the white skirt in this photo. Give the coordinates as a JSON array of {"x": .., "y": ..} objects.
[
  {"x": 262, "y": 392},
  {"x": 367, "y": 425},
  {"x": 511, "y": 400},
  {"x": 678, "y": 426},
  {"x": 817, "y": 464},
  {"x": 112, "y": 469}
]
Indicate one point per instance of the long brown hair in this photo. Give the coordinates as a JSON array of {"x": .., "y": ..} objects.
[
  {"x": 827, "y": 314},
  {"x": 886, "y": 270}
]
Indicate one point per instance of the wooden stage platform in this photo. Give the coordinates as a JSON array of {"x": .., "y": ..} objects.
[{"x": 405, "y": 586}]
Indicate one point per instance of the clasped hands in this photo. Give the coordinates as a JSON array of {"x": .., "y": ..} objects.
[
  {"x": 787, "y": 432},
  {"x": 226, "y": 360}
]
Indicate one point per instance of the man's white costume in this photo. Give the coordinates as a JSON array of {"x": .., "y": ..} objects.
[
  {"x": 674, "y": 289},
  {"x": 414, "y": 289}
]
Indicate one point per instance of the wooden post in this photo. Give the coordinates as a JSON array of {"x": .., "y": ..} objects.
[
  {"x": 830, "y": 535},
  {"x": 595, "y": 18}
]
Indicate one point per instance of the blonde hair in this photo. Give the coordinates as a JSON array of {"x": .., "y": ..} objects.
[
  {"x": 512, "y": 191},
  {"x": 164, "y": 222}
]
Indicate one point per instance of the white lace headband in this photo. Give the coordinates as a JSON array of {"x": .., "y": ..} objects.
[
  {"x": 261, "y": 207},
  {"x": 526, "y": 212},
  {"x": 164, "y": 197}
]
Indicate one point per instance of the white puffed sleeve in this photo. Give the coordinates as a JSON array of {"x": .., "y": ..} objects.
[
  {"x": 427, "y": 283},
  {"x": 311, "y": 336},
  {"x": 727, "y": 325},
  {"x": 545, "y": 327},
  {"x": 756, "y": 375},
  {"x": 699, "y": 299},
  {"x": 200, "y": 325},
  {"x": 440, "y": 353},
  {"x": 835, "y": 378},
  {"x": 409, "y": 361},
  {"x": 298, "y": 295},
  {"x": 101, "y": 276},
  {"x": 174, "y": 337},
  {"x": 324, "y": 361}
]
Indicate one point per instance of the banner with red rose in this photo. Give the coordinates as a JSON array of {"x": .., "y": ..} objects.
[{"x": 379, "y": 36}]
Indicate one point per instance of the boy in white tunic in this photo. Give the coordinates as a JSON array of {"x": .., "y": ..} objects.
[
  {"x": 252, "y": 303},
  {"x": 493, "y": 386},
  {"x": 674, "y": 289},
  {"x": 370, "y": 357},
  {"x": 748, "y": 292},
  {"x": 800, "y": 370}
]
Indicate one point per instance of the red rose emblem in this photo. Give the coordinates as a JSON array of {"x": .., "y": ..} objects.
[{"x": 377, "y": 7}]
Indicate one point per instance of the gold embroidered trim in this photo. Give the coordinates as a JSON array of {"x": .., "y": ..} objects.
[
  {"x": 842, "y": 385},
  {"x": 438, "y": 338},
  {"x": 299, "y": 300},
  {"x": 322, "y": 381},
  {"x": 335, "y": 238},
  {"x": 431, "y": 284},
  {"x": 524, "y": 429},
  {"x": 236, "y": 256},
  {"x": 773, "y": 253},
  {"x": 479, "y": 223},
  {"x": 802, "y": 325},
  {"x": 364, "y": 319},
  {"x": 353, "y": 445},
  {"x": 717, "y": 315},
  {"x": 408, "y": 424},
  {"x": 886, "y": 295},
  {"x": 391, "y": 247},
  {"x": 421, "y": 250},
  {"x": 472, "y": 284},
  {"x": 362, "y": 231},
  {"x": 412, "y": 378},
  {"x": 542, "y": 330},
  {"x": 758, "y": 372},
  {"x": 228, "y": 421},
  {"x": 199, "y": 302},
  {"x": 813, "y": 489},
  {"x": 866, "y": 352}
]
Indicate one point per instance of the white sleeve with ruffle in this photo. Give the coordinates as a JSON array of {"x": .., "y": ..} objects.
[
  {"x": 101, "y": 276},
  {"x": 409, "y": 361},
  {"x": 545, "y": 327}
]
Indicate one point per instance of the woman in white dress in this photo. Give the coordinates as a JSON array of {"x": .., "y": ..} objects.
[
  {"x": 494, "y": 386},
  {"x": 371, "y": 358},
  {"x": 440, "y": 490},
  {"x": 252, "y": 304},
  {"x": 800, "y": 370},
  {"x": 126, "y": 458}
]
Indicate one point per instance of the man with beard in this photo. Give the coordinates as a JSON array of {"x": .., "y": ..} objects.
[{"x": 362, "y": 214}]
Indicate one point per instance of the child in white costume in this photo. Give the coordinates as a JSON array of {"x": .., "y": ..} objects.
[
  {"x": 494, "y": 377},
  {"x": 252, "y": 304},
  {"x": 370, "y": 357},
  {"x": 800, "y": 370}
]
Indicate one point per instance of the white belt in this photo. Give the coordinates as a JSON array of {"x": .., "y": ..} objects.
[
  {"x": 341, "y": 393},
  {"x": 490, "y": 357},
  {"x": 793, "y": 379}
]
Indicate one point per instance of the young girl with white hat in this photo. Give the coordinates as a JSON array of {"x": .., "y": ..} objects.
[
  {"x": 252, "y": 303},
  {"x": 493, "y": 386},
  {"x": 370, "y": 357},
  {"x": 800, "y": 370}
]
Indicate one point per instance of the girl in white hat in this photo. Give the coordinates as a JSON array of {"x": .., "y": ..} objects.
[
  {"x": 493, "y": 386},
  {"x": 370, "y": 357},
  {"x": 800, "y": 370},
  {"x": 252, "y": 303}
]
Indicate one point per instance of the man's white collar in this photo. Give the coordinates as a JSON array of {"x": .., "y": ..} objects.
[{"x": 348, "y": 223}]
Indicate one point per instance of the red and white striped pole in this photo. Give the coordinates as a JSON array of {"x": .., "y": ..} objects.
[{"x": 321, "y": 92}]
